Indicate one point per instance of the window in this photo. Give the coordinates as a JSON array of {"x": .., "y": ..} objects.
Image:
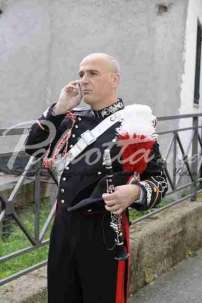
[{"x": 198, "y": 64}]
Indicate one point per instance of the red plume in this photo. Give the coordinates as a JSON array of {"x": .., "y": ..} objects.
[{"x": 135, "y": 151}]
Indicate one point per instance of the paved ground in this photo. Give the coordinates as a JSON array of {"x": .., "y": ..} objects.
[{"x": 181, "y": 285}]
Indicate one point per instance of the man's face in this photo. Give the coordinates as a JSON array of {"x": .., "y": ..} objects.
[{"x": 98, "y": 82}]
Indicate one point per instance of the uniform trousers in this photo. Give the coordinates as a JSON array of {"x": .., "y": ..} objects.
[{"x": 81, "y": 264}]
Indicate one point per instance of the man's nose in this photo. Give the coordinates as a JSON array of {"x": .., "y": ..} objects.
[{"x": 84, "y": 79}]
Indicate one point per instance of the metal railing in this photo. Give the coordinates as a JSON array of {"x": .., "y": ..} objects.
[
  {"x": 176, "y": 146},
  {"x": 191, "y": 159},
  {"x": 7, "y": 210}
]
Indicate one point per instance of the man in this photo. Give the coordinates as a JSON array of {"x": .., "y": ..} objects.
[{"x": 81, "y": 266}]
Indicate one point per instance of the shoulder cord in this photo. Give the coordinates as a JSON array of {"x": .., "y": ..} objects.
[{"x": 63, "y": 141}]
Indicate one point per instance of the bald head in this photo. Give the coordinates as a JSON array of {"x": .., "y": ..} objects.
[
  {"x": 99, "y": 79},
  {"x": 111, "y": 63}
]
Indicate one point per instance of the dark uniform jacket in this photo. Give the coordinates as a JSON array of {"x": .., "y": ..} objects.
[{"x": 85, "y": 176}]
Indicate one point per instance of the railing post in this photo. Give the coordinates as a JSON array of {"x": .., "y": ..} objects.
[
  {"x": 200, "y": 153},
  {"x": 194, "y": 163},
  {"x": 174, "y": 160},
  {"x": 37, "y": 197}
]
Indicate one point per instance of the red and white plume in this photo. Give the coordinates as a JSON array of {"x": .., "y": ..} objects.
[{"x": 136, "y": 135}]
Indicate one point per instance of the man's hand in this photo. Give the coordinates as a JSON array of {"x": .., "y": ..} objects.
[
  {"x": 122, "y": 198},
  {"x": 70, "y": 96}
]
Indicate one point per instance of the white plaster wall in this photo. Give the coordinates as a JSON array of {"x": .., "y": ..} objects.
[
  {"x": 188, "y": 77},
  {"x": 149, "y": 46},
  {"x": 189, "y": 57},
  {"x": 24, "y": 43},
  {"x": 42, "y": 42}
]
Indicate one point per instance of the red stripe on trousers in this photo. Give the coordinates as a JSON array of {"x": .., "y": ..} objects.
[{"x": 122, "y": 277}]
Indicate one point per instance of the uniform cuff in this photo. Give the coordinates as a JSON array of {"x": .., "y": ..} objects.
[
  {"x": 140, "y": 203},
  {"x": 50, "y": 115}
]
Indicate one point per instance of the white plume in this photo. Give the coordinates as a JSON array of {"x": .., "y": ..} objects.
[{"x": 137, "y": 119}]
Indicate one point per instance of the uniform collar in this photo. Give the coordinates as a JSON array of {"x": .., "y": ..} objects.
[{"x": 107, "y": 111}]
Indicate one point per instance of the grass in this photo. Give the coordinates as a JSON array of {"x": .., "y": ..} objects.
[
  {"x": 135, "y": 214},
  {"x": 15, "y": 240},
  {"x": 199, "y": 197}
]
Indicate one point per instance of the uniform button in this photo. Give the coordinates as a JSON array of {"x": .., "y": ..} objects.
[
  {"x": 67, "y": 167},
  {"x": 73, "y": 135},
  {"x": 79, "y": 118},
  {"x": 76, "y": 126},
  {"x": 62, "y": 190},
  {"x": 71, "y": 145},
  {"x": 62, "y": 201},
  {"x": 64, "y": 179},
  {"x": 114, "y": 140},
  {"x": 99, "y": 172}
]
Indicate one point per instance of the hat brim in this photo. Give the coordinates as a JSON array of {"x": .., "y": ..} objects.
[{"x": 95, "y": 201}]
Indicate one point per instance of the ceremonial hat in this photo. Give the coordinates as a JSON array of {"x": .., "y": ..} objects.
[{"x": 95, "y": 202}]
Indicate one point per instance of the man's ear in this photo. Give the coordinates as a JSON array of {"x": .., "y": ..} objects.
[{"x": 115, "y": 79}]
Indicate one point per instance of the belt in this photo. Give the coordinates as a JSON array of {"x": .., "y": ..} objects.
[{"x": 92, "y": 213}]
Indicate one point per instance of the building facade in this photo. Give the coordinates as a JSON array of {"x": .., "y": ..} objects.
[{"x": 42, "y": 43}]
